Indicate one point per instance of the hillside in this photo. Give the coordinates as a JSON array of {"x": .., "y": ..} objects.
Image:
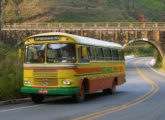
[{"x": 83, "y": 10}]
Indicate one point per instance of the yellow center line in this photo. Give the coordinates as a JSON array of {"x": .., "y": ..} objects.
[{"x": 140, "y": 99}]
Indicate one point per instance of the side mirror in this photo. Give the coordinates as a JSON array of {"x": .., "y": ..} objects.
[
  {"x": 20, "y": 54},
  {"x": 84, "y": 51}
]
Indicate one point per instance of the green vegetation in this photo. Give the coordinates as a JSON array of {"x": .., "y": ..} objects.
[
  {"x": 158, "y": 63},
  {"x": 142, "y": 49},
  {"x": 82, "y": 11},
  {"x": 10, "y": 73}
]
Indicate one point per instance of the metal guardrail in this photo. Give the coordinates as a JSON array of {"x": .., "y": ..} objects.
[{"x": 159, "y": 25}]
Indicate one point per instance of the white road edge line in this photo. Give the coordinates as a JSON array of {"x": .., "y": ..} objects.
[
  {"x": 162, "y": 74},
  {"x": 18, "y": 108}
]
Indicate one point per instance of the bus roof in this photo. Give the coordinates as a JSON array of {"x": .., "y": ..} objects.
[{"x": 81, "y": 40}]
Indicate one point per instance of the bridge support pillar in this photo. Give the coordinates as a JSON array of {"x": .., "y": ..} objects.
[
  {"x": 100, "y": 35},
  {"x": 116, "y": 35},
  {"x": 156, "y": 36},
  {"x": 82, "y": 33}
]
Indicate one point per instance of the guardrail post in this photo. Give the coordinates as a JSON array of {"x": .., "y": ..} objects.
[
  {"x": 136, "y": 35},
  {"x": 83, "y": 25},
  {"x": 118, "y": 25},
  {"x": 59, "y": 24},
  {"x": 156, "y": 25},
  {"x": 95, "y": 25},
  {"x": 131, "y": 25},
  {"x": 146, "y": 34},
  {"x": 144, "y": 25},
  {"x": 107, "y": 25},
  {"x": 48, "y": 25},
  {"x": 36, "y": 25},
  {"x": 14, "y": 25}
]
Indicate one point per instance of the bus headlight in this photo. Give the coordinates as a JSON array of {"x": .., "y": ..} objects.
[
  {"x": 27, "y": 81},
  {"x": 66, "y": 82}
]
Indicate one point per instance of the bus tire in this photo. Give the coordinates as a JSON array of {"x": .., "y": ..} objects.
[
  {"x": 113, "y": 89},
  {"x": 78, "y": 98},
  {"x": 110, "y": 90},
  {"x": 37, "y": 98}
]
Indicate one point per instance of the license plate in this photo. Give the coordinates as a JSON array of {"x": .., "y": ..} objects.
[{"x": 43, "y": 91}]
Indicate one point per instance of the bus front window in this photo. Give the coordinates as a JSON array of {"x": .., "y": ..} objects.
[
  {"x": 35, "y": 53},
  {"x": 61, "y": 53}
]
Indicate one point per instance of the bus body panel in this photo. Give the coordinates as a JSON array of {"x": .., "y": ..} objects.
[{"x": 100, "y": 77}]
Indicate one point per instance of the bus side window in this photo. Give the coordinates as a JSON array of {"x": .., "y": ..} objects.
[
  {"x": 115, "y": 54},
  {"x": 108, "y": 54},
  {"x": 121, "y": 55},
  {"x": 99, "y": 53},
  {"x": 80, "y": 57},
  {"x": 91, "y": 53}
]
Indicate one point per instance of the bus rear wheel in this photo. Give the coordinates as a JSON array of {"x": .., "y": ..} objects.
[
  {"x": 79, "y": 97},
  {"x": 110, "y": 90},
  {"x": 37, "y": 98}
]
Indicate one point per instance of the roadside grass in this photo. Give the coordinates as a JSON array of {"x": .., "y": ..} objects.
[
  {"x": 10, "y": 73},
  {"x": 158, "y": 63}
]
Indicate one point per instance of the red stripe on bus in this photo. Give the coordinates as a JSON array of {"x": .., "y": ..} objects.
[
  {"x": 118, "y": 68},
  {"x": 87, "y": 70}
]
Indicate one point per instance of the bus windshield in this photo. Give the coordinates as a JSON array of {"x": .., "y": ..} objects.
[
  {"x": 61, "y": 53},
  {"x": 56, "y": 53},
  {"x": 35, "y": 53}
]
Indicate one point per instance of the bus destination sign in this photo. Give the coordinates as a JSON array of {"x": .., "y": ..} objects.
[{"x": 46, "y": 38}]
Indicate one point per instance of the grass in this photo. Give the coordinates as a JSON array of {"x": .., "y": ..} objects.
[{"x": 10, "y": 73}]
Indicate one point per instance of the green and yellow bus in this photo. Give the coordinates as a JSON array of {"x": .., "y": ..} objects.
[{"x": 64, "y": 64}]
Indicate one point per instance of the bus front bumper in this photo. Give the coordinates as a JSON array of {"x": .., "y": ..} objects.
[{"x": 51, "y": 91}]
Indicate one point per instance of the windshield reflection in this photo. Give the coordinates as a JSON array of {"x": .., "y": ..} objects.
[
  {"x": 35, "y": 54},
  {"x": 61, "y": 53}
]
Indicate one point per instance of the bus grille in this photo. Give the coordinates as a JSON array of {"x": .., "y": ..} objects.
[
  {"x": 46, "y": 81},
  {"x": 45, "y": 78}
]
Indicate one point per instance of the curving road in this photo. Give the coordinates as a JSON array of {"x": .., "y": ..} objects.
[{"x": 141, "y": 98}]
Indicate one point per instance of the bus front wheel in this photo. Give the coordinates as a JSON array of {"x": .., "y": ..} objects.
[
  {"x": 37, "y": 98},
  {"x": 79, "y": 97}
]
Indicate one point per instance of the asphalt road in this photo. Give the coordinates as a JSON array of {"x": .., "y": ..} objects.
[{"x": 142, "y": 97}]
